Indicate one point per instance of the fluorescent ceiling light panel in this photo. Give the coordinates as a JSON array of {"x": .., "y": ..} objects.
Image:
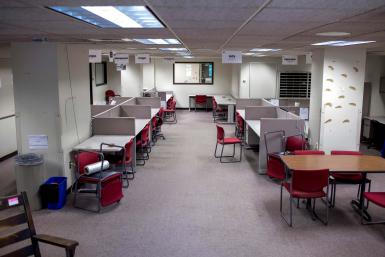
[
  {"x": 112, "y": 16},
  {"x": 180, "y": 49},
  {"x": 342, "y": 43},
  {"x": 333, "y": 34},
  {"x": 265, "y": 49},
  {"x": 158, "y": 41}
]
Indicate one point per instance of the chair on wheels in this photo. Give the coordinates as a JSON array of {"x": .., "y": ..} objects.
[
  {"x": 18, "y": 213},
  {"x": 170, "y": 113},
  {"x": 143, "y": 145},
  {"x": 309, "y": 185},
  {"x": 158, "y": 125},
  {"x": 218, "y": 112},
  {"x": 106, "y": 185},
  {"x": 346, "y": 178},
  {"x": 200, "y": 100},
  {"x": 222, "y": 140},
  {"x": 275, "y": 166}
]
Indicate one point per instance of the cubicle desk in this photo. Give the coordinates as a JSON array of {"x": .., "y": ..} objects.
[
  {"x": 154, "y": 112},
  {"x": 140, "y": 124},
  {"x": 339, "y": 163},
  {"x": 228, "y": 101},
  {"x": 192, "y": 97},
  {"x": 93, "y": 143}
]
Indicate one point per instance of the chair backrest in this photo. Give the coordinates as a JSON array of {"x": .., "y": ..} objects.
[
  {"x": 161, "y": 113},
  {"x": 296, "y": 142},
  {"x": 83, "y": 158},
  {"x": 220, "y": 134},
  {"x": 17, "y": 213},
  {"x": 339, "y": 152},
  {"x": 272, "y": 135},
  {"x": 153, "y": 121},
  {"x": 200, "y": 99},
  {"x": 310, "y": 180},
  {"x": 215, "y": 105},
  {"x": 309, "y": 152},
  {"x": 173, "y": 105},
  {"x": 240, "y": 123},
  {"x": 127, "y": 148},
  {"x": 145, "y": 133},
  {"x": 109, "y": 93},
  {"x": 169, "y": 101}
]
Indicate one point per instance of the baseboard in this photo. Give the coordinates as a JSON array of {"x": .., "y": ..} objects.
[{"x": 10, "y": 155}]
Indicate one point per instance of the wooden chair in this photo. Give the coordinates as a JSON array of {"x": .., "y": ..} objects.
[{"x": 23, "y": 215}]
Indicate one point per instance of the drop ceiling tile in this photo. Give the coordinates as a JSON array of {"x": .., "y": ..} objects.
[
  {"x": 207, "y": 4},
  {"x": 327, "y": 4},
  {"x": 30, "y": 14}
]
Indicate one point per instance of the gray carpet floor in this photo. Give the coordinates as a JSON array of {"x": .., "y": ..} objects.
[{"x": 183, "y": 202}]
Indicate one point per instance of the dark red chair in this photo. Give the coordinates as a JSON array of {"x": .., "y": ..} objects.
[
  {"x": 170, "y": 113},
  {"x": 200, "y": 100},
  {"x": 169, "y": 101},
  {"x": 107, "y": 183},
  {"x": 218, "y": 112},
  {"x": 109, "y": 94},
  {"x": 158, "y": 125},
  {"x": 222, "y": 140},
  {"x": 308, "y": 152},
  {"x": 239, "y": 126},
  {"x": 275, "y": 166},
  {"x": 346, "y": 178},
  {"x": 295, "y": 143},
  {"x": 309, "y": 185},
  {"x": 143, "y": 145},
  {"x": 378, "y": 198}
]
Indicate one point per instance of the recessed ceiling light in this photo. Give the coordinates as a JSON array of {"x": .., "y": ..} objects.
[
  {"x": 112, "y": 16},
  {"x": 248, "y": 53},
  {"x": 158, "y": 41},
  {"x": 333, "y": 34},
  {"x": 342, "y": 43},
  {"x": 188, "y": 57},
  {"x": 174, "y": 49},
  {"x": 127, "y": 40},
  {"x": 265, "y": 49}
]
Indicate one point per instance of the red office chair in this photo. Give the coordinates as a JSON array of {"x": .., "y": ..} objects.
[
  {"x": 169, "y": 101},
  {"x": 125, "y": 162},
  {"x": 346, "y": 178},
  {"x": 200, "y": 100},
  {"x": 143, "y": 145},
  {"x": 308, "y": 152},
  {"x": 158, "y": 126},
  {"x": 309, "y": 185},
  {"x": 378, "y": 198},
  {"x": 222, "y": 140},
  {"x": 218, "y": 112},
  {"x": 170, "y": 113},
  {"x": 239, "y": 126},
  {"x": 108, "y": 94},
  {"x": 275, "y": 166},
  {"x": 108, "y": 183},
  {"x": 295, "y": 142}
]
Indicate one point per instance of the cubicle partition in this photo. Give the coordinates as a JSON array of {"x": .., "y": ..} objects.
[
  {"x": 122, "y": 100},
  {"x": 97, "y": 109},
  {"x": 242, "y": 103},
  {"x": 109, "y": 113},
  {"x": 113, "y": 126},
  {"x": 154, "y": 102},
  {"x": 137, "y": 111}
]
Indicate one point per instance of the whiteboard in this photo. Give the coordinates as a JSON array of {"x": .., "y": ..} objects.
[{"x": 186, "y": 73}]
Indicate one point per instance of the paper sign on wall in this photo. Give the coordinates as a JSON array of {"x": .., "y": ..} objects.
[
  {"x": 111, "y": 55},
  {"x": 274, "y": 102},
  {"x": 142, "y": 58},
  {"x": 304, "y": 113},
  {"x": 231, "y": 57},
  {"x": 95, "y": 56},
  {"x": 38, "y": 142},
  {"x": 289, "y": 59},
  {"x": 309, "y": 58},
  {"x": 121, "y": 58}
]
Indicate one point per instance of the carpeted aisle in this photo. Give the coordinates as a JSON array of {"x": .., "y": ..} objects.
[{"x": 183, "y": 202}]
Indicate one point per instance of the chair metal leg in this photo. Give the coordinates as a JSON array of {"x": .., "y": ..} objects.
[{"x": 290, "y": 222}]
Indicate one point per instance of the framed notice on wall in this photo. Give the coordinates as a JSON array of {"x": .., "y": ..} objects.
[{"x": 194, "y": 73}]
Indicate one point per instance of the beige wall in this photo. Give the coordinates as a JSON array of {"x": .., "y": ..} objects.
[
  {"x": 132, "y": 79},
  {"x": 113, "y": 83}
]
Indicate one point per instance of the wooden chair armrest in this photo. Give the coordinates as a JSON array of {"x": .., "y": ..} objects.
[{"x": 57, "y": 241}]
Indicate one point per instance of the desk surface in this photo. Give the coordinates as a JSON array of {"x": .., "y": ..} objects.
[
  {"x": 93, "y": 143},
  {"x": 336, "y": 163},
  {"x": 154, "y": 111},
  {"x": 140, "y": 124},
  {"x": 255, "y": 125},
  {"x": 241, "y": 113},
  {"x": 224, "y": 100}
]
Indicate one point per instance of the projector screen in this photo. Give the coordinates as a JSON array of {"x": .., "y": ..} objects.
[{"x": 194, "y": 73}]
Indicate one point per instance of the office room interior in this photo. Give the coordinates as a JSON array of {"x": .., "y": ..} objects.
[{"x": 192, "y": 128}]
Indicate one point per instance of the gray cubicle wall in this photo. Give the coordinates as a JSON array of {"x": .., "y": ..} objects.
[
  {"x": 114, "y": 126},
  {"x": 242, "y": 103},
  {"x": 154, "y": 102},
  {"x": 122, "y": 100},
  {"x": 109, "y": 113},
  {"x": 137, "y": 111},
  {"x": 97, "y": 109},
  {"x": 258, "y": 112}
]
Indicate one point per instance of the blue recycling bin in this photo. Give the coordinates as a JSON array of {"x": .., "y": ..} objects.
[{"x": 59, "y": 184}]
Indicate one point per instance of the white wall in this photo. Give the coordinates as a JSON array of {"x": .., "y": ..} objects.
[
  {"x": 375, "y": 69},
  {"x": 252, "y": 85},
  {"x": 7, "y": 105},
  {"x": 164, "y": 81},
  {"x": 235, "y": 79},
  {"x": 113, "y": 83},
  {"x": 342, "y": 95},
  {"x": 132, "y": 79}
]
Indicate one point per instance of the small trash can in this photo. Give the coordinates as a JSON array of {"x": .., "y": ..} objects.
[
  {"x": 30, "y": 174},
  {"x": 53, "y": 193}
]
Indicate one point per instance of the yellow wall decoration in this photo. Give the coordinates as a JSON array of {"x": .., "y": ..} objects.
[
  {"x": 353, "y": 104},
  {"x": 329, "y": 104},
  {"x": 355, "y": 69},
  {"x": 338, "y": 107},
  {"x": 352, "y": 88},
  {"x": 346, "y": 121},
  {"x": 344, "y": 75},
  {"x": 331, "y": 67},
  {"x": 330, "y": 80},
  {"x": 341, "y": 97},
  {"x": 328, "y": 120}
]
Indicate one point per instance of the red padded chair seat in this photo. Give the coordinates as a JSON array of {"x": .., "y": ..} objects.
[
  {"x": 168, "y": 110},
  {"x": 94, "y": 178},
  {"x": 376, "y": 197},
  {"x": 301, "y": 194},
  {"x": 230, "y": 140},
  {"x": 348, "y": 177}
]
